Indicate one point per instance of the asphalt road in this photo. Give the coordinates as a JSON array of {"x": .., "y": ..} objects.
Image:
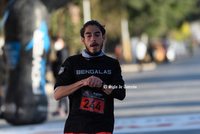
[
  {"x": 165, "y": 100},
  {"x": 170, "y": 88}
]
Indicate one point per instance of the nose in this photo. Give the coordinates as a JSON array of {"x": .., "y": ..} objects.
[{"x": 93, "y": 38}]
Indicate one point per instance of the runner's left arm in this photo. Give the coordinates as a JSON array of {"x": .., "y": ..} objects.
[{"x": 116, "y": 90}]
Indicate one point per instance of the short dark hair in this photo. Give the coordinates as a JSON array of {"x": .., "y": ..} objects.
[{"x": 92, "y": 22}]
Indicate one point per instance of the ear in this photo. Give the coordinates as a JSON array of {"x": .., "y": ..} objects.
[
  {"x": 82, "y": 40},
  {"x": 104, "y": 37}
]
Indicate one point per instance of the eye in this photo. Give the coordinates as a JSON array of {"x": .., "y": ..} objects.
[{"x": 89, "y": 36}]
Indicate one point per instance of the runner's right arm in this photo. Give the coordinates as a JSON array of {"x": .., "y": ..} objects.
[{"x": 63, "y": 91}]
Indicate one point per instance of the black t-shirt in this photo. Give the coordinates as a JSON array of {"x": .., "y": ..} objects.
[{"x": 91, "y": 110}]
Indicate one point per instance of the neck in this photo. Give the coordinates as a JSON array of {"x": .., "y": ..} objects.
[
  {"x": 91, "y": 54},
  {"x": 88, "y": 55}
]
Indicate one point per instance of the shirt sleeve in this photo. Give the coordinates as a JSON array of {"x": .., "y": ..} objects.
[
  {"x": 119, "y": 92},
  {"x": 65, "y": 75}
]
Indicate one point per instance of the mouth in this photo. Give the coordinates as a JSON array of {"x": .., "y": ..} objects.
[{"x": 94, "y": 45}]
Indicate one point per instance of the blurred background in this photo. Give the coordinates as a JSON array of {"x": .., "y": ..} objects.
[
  {"x": 157, "y": 44},
  {"x": 168, "y": 29}
]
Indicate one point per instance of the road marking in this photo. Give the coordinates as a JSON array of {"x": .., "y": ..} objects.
[
  {"x": 157, "y": 123},
  {"x": 122, "y": 125}
]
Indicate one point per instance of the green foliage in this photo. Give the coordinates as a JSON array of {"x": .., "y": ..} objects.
[
  {"x": 62, "y": 25},
  {"x": 109, "y": 13},
  {"x": 156, "y": 17}
]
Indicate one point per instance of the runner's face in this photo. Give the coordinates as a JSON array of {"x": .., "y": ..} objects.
[{"x": 93, "y": 40}]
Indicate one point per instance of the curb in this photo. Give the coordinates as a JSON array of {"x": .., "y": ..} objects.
[{"x": 138, "y": 67}]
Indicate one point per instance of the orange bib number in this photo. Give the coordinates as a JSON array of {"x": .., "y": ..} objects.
[{"x": 92, "y": 103}]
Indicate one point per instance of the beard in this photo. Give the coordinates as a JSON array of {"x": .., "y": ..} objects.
[{"x": 96, "y": 52}]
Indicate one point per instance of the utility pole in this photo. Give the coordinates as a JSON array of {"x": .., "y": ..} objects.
[
  {"x": 86, "y": 10},
  {"x": 126, "y": 41}
]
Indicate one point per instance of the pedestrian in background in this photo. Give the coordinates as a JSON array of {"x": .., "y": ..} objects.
[{"x": 61, "y": 55}]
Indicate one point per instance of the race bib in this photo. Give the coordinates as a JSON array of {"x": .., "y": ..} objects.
[{"x": 92, "y": 101}]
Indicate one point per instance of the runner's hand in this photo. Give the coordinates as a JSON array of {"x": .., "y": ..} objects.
[{"x": 94, "y": 81}]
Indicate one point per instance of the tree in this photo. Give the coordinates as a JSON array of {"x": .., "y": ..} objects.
[
  {"x": 156, "y": 17},
  {"x": 63, "y": 23}
]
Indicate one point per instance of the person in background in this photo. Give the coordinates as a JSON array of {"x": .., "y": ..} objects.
[
  {"x": 91, "y": 80},
  {"x": 61, "y": 55},
  {"x": 118, "y": 52}
]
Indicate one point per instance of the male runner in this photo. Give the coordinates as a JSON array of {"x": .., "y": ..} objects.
[{"x": 91, "y": 80}]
